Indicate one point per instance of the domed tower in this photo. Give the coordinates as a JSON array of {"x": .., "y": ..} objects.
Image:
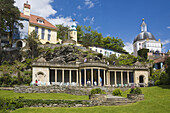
[
  {"x": 146, "y": 40},
  {"x": 73, "y": 31}
]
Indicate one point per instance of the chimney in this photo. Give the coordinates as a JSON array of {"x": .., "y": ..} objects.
[{"x": 27, "y": 8}]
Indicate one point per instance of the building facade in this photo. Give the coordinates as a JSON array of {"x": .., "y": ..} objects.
[
  {"x": 89, "y": 74},
  {"x": 47, "y": 33},
  {"x": 107, "y": 52},
  {"x": 145, "y": 40}
]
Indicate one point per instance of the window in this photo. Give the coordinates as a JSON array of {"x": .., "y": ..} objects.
[
  {"x": 100, "y": 51},
  {"x": 139, "y": 43},
  {"x": 36, "y": 29},
  {"x": 42, "y": 33},
  {"x": 49, "y": 34},
  {"x": 96, "y": 50},
  {"x": 40, "y": 21},
  {"x": 110, "y": 53}
]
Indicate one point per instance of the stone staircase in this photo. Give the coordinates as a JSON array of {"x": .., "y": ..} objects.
[{"x": 116, "y": 100}]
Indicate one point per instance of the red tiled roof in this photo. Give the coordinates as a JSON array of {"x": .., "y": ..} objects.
[
  {"x": 33, "y": 20},
  {"x": 27, "y": 5},
  {"x": 158, "y": 60}
]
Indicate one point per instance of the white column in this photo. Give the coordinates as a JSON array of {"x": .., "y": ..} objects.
[
  {"x": 80, "y": 77},
  {"x": 104, "y": 78},
  {"x": 122, "y": 78},
  {"x": 70, "y": 76},
  {"x": 63, "y": 76},
  {"x": 128, "y": 77},
  {"x": 91, "y": 76},
  {"x": 55, "y": 75},
  {"x": 84, "y": 77},
  {"x": 77, "y": 77},
  {"x": 115, "y": 78},
  {"x": 99, "y": 77},
  {"x": 108, "y": 78}
]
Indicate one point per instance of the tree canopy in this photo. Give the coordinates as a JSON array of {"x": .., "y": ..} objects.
[
  {"x": 88, "y": 37},
  {"x": 9, "y": 18}
]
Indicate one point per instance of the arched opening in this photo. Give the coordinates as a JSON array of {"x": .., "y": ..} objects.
[
  {"x": 19, "y": 44},
  {"x": 141, "y": 79},
  {"x": 40, "y": 76}
]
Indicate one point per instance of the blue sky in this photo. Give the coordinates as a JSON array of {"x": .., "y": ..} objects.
[{"x": 118, "y": 18}]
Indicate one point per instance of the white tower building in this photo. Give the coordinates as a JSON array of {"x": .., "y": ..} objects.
[
  {"x": 146, "y": 40},
  {"x": 73, "y": 31},
  {"x": 27, "y": 9}
]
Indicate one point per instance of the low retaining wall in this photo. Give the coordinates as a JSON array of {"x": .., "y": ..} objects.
[
  {"x": 52, "y": 89},
  {"x": 97, "y": 99},
  {"x": 61, "y": 89},
  {"x": 136, "y": 97}
]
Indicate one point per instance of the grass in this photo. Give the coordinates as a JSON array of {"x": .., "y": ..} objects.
[
  {"x": 59, "y": 96},
  {"x": 157, "y": 100}
]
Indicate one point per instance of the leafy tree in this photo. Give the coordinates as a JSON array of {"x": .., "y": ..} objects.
[
  {"x": 87, "y": 40},
  {"x": 62, "y": 32},
  {"x": 33, "y": 41},
  {"x": 127, "y": 59},
  {"x": 168, "y": 67},
  {"x": 112, "y": 58},
  {"x": 10, "y": 16},
  {"x": 143, "y": 53},
  {"x": 113, "y": 43},
  {"x": 80, "y": 33},
  {"x": 97, "y": 38}
]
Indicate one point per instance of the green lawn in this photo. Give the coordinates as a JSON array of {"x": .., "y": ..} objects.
[
  {"x": 157, "y": 100},
  {"x": 60, "y": 96}
]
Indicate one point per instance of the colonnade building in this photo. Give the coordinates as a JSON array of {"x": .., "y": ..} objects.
[{"x": 89, "y": 74}]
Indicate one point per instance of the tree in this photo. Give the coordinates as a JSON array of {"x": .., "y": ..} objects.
[
  {"x": 87, "y": 40},
  {"x": 143, "y": 53},
  {"x": 113, "y": 43},
  {"x": 80, "y": 33},
  {"x": 168, "y": 68},
  {"x": 33, "y": 41},
  {"x": 62, "y": 32},
  {"x": 127, "y": 59},
  {"x": 10, "y": 17},
  {"x": 112, "y": 58}
]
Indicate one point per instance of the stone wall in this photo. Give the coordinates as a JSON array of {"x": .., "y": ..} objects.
[
  {"x": 136, "y": 97},
  {"x": 52, "y": 89},
  {"x": 97, "y": 99}
]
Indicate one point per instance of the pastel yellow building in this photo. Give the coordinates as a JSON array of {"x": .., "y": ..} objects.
[{"x": 47, "y": 33}]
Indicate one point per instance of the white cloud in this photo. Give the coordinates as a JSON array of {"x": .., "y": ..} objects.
[
  {"x": 89, "y": 3},
  {"x": 68, "y": 21},
  {"x": 166, "y": 42},
  {"x": 86, "y": 19},
  {"x": 74, "y": 14},
  {"x": 61, "y": 9},
  {"x": 108, "y": 35},
  {"x": 38, "y": 7},
  {"x": 79, "y": 7},
  {"x": 168, "y": 27},
  {"x": 92, "y": 20},
  {"x": 98, "y": 27},
  {"x": 128, "y": 47}
]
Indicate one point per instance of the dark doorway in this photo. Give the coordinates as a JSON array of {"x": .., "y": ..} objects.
[
  {"x": 141, "y": 79},
  {"x": 52, "y": 76},
  {"x": 19, "y": 44}
]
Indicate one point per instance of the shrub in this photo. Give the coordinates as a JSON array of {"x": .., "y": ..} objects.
[
  {"x": 135, "y": 91},
  {"x": 157, "y": 82},
  {"x": 97, "y": 91},
  {"x": 138, "y": 91},
  {"x": 9, "y": 104},
  {"x": 117, "y": 92}
]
